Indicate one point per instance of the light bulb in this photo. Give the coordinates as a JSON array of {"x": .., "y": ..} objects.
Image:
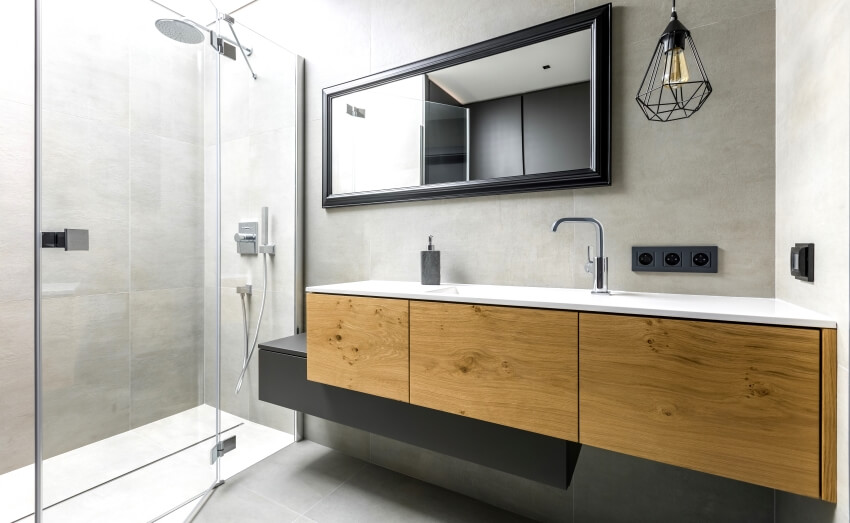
[{"x": 675, "y": 68}]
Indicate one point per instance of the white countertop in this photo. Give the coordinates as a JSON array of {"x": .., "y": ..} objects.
[{"x": 722, "y": 308}]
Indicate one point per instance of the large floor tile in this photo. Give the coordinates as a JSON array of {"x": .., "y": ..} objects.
[
  {"x": 139, "y": 474},
  {"x": 377, "y": 494},
  {"x": 235, "y": 503},
  {"x": 300, "y": 476}
]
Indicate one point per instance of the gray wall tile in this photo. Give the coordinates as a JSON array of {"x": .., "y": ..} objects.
[
  {"x": 86, "y": 186},
  {"x": 86, "y": 353},
  {"x": 166, "y": 213},
  {"x": 89, "y": 79},
  {"x": 166, "y": 79},
  {"x": 812, "y": 162},
  {"x": 723, "y": 154},
  {"x": 16, "y": 386},
  {"x": 403, "y": 32},
  {"x": 636, "y": 20},
  {"x": 20, "y": 64},
  {"x": 16, "y": 200},
  {"x": 166, "y": 341}
]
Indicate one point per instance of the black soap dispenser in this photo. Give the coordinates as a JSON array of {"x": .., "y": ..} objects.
[{"x": 430, "y": 264}]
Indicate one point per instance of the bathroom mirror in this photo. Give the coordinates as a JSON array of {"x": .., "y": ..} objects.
[{"x": 527, "y": 111}]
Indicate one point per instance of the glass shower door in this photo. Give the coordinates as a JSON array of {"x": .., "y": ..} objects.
[{"x": 126, "y": 433}]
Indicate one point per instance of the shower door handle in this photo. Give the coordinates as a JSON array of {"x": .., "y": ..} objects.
[{"x": 69, "y": 239}]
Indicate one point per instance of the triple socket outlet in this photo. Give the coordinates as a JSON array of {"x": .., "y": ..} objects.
[{"x": 675, "y": 259}]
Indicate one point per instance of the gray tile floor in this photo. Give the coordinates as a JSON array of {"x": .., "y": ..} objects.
[{"x": 307, "y": 482}]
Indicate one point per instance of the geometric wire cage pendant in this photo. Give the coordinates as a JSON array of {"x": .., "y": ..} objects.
[{"x": 672, "y": 90}]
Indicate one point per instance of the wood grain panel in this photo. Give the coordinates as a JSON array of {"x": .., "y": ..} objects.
[
  {"x": 505, "y": 365},
  {"x": 741, "y": 401},
  {"x": 829, "y": 426},
  {"x": 359, "y": 344}
]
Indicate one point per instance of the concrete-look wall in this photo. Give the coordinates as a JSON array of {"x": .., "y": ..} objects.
[
  {"x": 122, "y": 157},
  {"x": 706, "y": 180},
  {"x": 258, "y": 133},
  {"x": 812, "y": 172}
]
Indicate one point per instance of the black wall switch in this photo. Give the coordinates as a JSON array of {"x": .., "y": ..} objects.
[{"x": 803, "y": 261}]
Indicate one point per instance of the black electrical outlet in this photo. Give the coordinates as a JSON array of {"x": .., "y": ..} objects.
[
  {"x": 672, "y": 259},
  {"x": 675, "y": 259}
]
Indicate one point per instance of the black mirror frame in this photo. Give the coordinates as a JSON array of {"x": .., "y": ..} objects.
[{"x": 598, "y": 20}]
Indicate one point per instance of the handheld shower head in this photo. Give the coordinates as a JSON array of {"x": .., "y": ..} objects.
[{"x": 179, "y": 30}]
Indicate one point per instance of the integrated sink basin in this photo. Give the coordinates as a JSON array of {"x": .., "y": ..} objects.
[{"x": 721, "y": 308}]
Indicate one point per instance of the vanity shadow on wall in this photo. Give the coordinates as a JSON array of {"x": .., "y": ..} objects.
[{"x": 527, "y": 111}]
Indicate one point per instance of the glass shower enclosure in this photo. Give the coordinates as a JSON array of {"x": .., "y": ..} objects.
[{"x": 136, "y": 140}]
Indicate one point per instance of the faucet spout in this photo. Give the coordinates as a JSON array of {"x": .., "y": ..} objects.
[{"x": 599, "y": 263}]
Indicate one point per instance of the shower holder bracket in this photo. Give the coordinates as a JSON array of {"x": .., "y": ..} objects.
[
  {"x": 222, "y": 448},
  {"x": 267, "y": 249}
]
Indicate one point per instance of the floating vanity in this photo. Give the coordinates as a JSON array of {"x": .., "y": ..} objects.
[{"x": 738, "y": 387}]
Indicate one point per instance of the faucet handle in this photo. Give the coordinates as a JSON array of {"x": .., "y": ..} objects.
[{"x": 589, "y": 265}]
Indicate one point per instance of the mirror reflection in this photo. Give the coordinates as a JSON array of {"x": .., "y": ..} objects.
[{"x": 523, "y": 112}]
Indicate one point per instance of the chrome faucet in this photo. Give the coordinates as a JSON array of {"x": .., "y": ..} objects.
[{"x": 598, "y": 265}]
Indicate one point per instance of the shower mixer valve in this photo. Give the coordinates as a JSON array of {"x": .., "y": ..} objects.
[{"x": 246, "y": 238}]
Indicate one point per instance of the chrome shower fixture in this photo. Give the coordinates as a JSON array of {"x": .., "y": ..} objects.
[
  {"x": 188, "y": 31},
  {"x": 182, "y": 31},
  {"x": 249, "y": 242}
]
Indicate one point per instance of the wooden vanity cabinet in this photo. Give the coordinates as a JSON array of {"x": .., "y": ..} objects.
[
  {"x": 359, "y": 343},
  {"x": 506, "y": 365},
  {"x": 756, "y": 403},
  {"x": 737, "y": 400}
]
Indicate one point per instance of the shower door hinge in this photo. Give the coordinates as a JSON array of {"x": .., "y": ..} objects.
[
  {"x": 219, "y": 44},
  {"x": 222, "y": 448}
]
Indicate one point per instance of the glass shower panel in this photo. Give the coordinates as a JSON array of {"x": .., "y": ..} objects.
[
  {"x": 259, "y": 136},
  {"x": 17, "y": 407},
  {"x": 123, "y": 301}
]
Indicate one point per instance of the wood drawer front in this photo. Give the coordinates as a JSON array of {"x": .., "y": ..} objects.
[
  {"x": 359, "y": 344},
  {"x": 506, "y": 365},
  {"x": 741, "y": 401}
]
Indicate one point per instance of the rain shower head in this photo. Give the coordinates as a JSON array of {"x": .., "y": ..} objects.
[
  {"x": 180, "y": 30},
  {"x": 188, "y": 32}
]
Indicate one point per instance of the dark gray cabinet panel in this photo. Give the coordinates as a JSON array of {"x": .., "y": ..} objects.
[
  {"x": 495, "y": 147},
  {"x": 283, "y": 381},
  {"x": 556, "y": 129}
]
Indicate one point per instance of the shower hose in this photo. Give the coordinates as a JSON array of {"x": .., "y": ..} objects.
[{"x": 249, "y": 348}]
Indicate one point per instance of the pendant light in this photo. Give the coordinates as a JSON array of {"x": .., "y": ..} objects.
[{"x": 675, "y": 84}]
